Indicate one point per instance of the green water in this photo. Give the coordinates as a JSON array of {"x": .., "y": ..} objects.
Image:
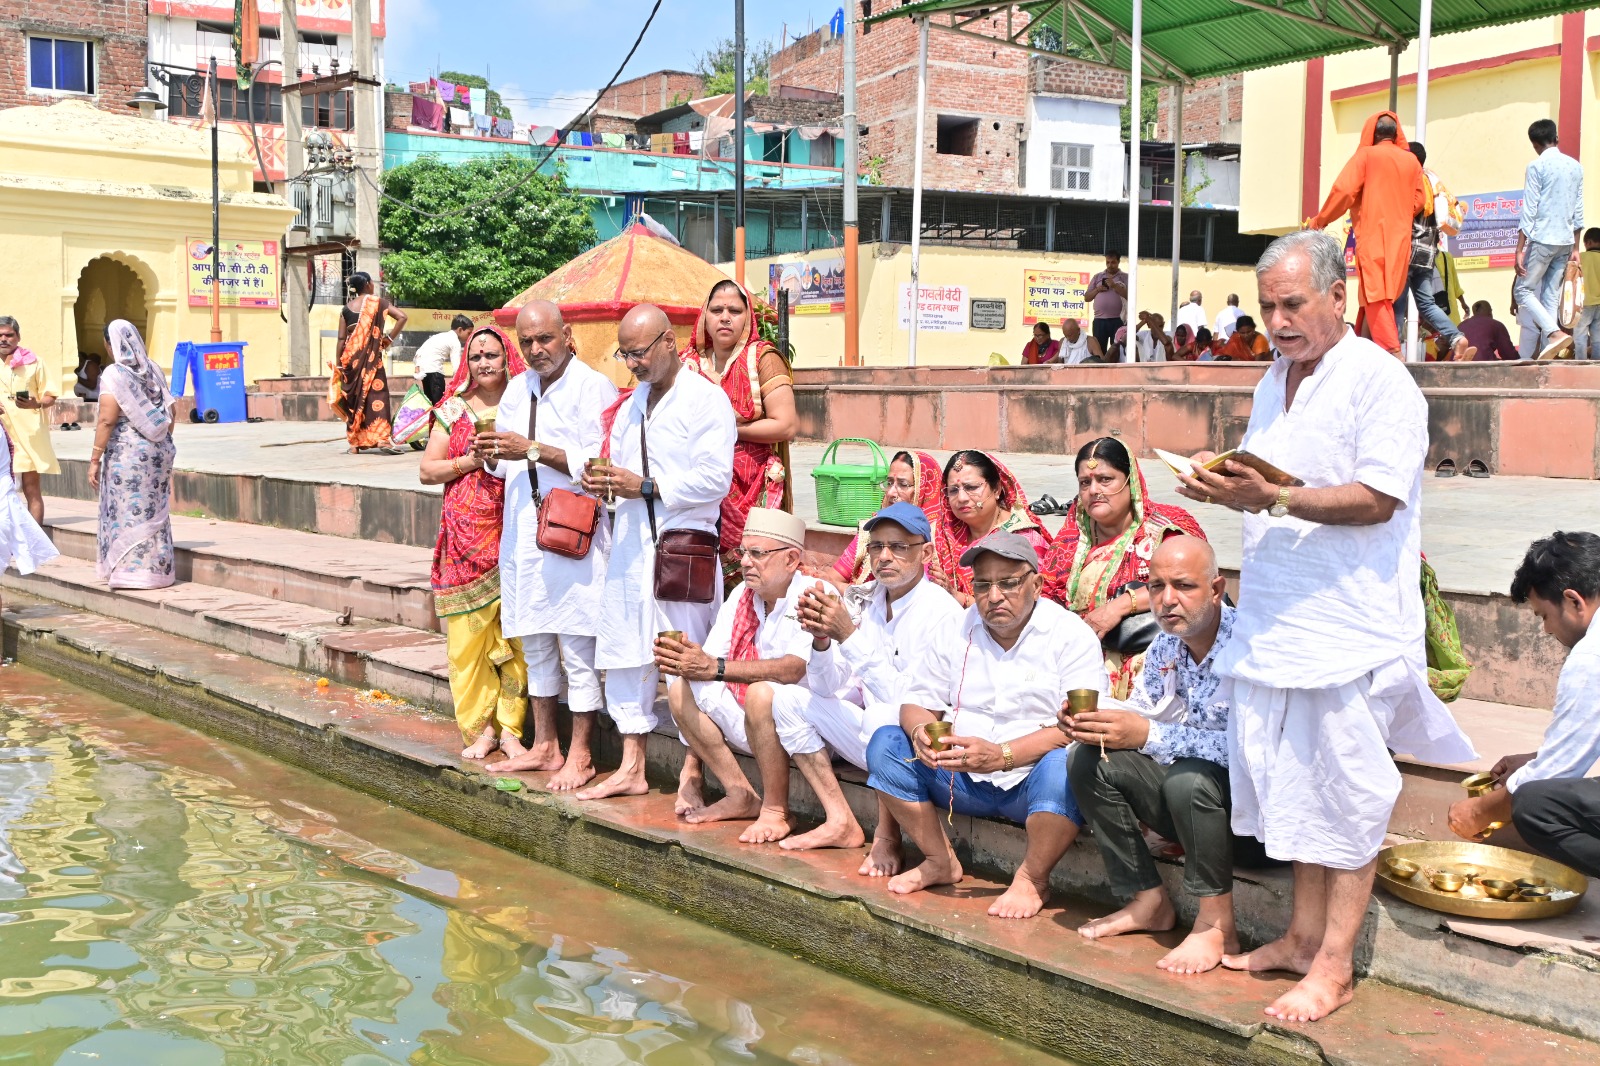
[{"x": 169, "y": 900}]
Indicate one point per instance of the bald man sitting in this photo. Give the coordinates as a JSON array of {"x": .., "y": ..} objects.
[{"x": 1168, "y": 766}]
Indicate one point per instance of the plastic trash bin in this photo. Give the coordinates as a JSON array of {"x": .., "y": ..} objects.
[{"x": 217, "y": 371}]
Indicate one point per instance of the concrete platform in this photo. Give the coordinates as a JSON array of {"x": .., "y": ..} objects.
[{"x": 1034, "y": 980}]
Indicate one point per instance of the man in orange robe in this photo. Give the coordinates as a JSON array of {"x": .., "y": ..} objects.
[{"x": 1382, "y": 189}]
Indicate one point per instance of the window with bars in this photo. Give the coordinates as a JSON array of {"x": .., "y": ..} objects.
[
  {"x": 263, "y": 104},
  {"x": 1070, "y": 166},
  {"x": 60, "y": 66}
]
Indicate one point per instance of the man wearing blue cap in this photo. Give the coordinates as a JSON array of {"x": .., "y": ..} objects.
[{"x": 865, "y": 660}]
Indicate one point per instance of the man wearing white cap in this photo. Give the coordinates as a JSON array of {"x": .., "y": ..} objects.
[{"x": 726, "y": 695}]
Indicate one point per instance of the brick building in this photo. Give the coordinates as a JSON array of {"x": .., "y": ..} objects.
[
  {"x": 53, "y": 50},
  {"x": 1213, "y": 112},
  {"x": 649, "y": 93}
]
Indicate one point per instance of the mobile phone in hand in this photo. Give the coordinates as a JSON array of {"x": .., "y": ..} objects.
[{"x": 22, "y": 394}]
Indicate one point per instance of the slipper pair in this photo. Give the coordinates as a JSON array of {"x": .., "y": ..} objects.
[
  {"x": 1048, "y": 505},
  {"x": 1476, "y": 468},
  {"x": 69, "y": 426}
]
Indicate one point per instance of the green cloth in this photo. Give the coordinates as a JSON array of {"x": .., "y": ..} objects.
[{"x": 1448, "y": 665}]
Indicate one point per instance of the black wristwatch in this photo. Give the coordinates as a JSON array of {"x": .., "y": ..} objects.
[
  {"x": 722, "y": 669},
  {"x": 647, "y": 489}
]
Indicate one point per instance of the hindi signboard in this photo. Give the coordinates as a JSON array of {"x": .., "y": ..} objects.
[
  {"x": 1488, "y": 237},
  {"x": 815, "y": 286},
  {"x": 249, "y": 273},
  {"x": 1052, "y": 296},
  {"x": 940, "y": 308},
  {"x": 988, "y": 314}
]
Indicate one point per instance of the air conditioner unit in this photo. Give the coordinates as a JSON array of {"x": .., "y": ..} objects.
[
  {"x": 322, "y": 220},
  {"x": 299, "y": 199}
]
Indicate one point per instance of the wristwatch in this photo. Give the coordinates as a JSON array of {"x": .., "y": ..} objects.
[
  {"x": 1281, "y": 508},
  {"x": 647, "y": 488},
  {"x": 722, "y": 669}
]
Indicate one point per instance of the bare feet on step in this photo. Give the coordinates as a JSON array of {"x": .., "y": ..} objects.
[
  {"x": 691, "y": 795},
  {"x": 884, "y": 860},
  {"x": 486, "y": 744},
  {"x": 1201, "y": 951},
  {"x": 734, "y": 807},
  {"x": 1326, "y": 988},
  {"x": 1285, "y": 953},
  {"x": 771, "y": 825},
  {"x": 1148, "y": 912},
  {"x": 573, "y": 775},
  {"x": 827, "y": 835},
  {"x": 1025, "y": 898},
  {"x": 546, "y": 756},
  {"x": 930, "y": 874}
]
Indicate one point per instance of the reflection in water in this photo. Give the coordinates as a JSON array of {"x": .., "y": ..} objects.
[{"x": 153, "y": 913}]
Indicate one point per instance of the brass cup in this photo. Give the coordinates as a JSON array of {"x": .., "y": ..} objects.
[
  {"x": 1447, "y": 880},
  {"x": 1498, "y": 889},
  {"x": 937, "y": 732},
  {"x": 483, "y": 424},
  {"x": 598, "y": 462},
  {"x": 1404, "y": 869},
  {"x": 1532, "y": 894},
  {"x": 1478, "y": 784},
  {"x": 671, "y": 634},
  {"x": 1525, "y": 883},
  {"x": 1082, "y": 701}
]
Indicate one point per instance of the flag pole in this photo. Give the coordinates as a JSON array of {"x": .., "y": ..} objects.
[{"x": 216, "y": 227}]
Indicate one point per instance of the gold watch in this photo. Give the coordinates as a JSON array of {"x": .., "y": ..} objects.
[{"x": 1281, "y": 508}]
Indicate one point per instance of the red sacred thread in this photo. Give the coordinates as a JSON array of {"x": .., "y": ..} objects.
[{"x": 961, "y": 684}]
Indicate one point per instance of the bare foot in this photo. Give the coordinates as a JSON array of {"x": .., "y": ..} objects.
[
  {"x": 691, "y": 795},
  {"x": 1023, "y": 899},
  {"x": 510, "y": 746},
  {"x": 771, "y": 825},
  {"x": 483, "y": 747},
  {"x": 884, "y": 860},
  {"x": 734, "y": 807},
  {"x": 1321, "y": 992},
  {"x": 1282, "y": 954},
  {"x": 546, "y": 756},
  {"x": 620, "y": 783},
  {"x": 1147, "y": 912},
  {"x": 931, "y": 873},
  {"x": 1200, "y": 951},
  {"x": 827, "y": 835},
  {"x": 575, "y": 774}
]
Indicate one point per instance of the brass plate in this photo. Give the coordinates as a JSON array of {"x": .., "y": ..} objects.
[{"x": 1493, "y": 862}]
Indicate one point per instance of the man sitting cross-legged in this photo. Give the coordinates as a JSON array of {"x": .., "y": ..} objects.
[
  {"x": 1167, "y": 766},
  {"x": 999, "y": 683},
  {"x": 867, "y": 661},
  {"x": 745, "y": 690}
]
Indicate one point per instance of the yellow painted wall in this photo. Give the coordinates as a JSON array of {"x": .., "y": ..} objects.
[
  {"x": 987, "y": 274},
  {"x": 1477, "y": 125},
  {"x": 80, "y": 186}
]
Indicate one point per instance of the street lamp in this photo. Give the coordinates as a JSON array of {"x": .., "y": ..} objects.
[{"x": 148, "y": 103}]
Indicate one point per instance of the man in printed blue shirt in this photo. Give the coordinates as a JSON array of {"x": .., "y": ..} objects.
[
  {"x": 1166, "y": 765},
  {"x": 1547, "y": 236}
]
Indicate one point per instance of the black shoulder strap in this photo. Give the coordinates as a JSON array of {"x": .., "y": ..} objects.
[
  {"x": 533, "y": 456},
  {"x": 644, "y": 456}
]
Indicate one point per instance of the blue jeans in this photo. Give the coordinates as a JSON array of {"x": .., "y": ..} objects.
[
  {"x": 1433, "y": 318},
  {"x": 894, "y": 771},
  {"x": 1539, "y": 289},
  {"x": 1586, "y": 333}
]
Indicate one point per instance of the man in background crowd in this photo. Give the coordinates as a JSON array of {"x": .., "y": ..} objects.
[{"x": 436, "y": 355}]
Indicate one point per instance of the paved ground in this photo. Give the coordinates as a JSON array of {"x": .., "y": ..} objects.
[{"x": 1474, "y": 532}]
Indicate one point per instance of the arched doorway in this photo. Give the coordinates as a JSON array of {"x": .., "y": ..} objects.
[{"x": 107, "y": 290}]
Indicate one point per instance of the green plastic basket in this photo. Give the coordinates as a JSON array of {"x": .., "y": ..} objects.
[{"x": 848, "y": 493}]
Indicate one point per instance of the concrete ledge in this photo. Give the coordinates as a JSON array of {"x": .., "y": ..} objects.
[{"x": 1032, "y": 980}]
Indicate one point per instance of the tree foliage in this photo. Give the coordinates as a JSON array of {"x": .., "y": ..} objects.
[
  {"x": 477, "y": 81},
  {"x": 480, "y": 258},
  {"x": 717, "y": 66}
]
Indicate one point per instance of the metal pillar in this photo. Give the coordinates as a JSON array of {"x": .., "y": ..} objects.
[
  {"x": 1179, "y": 180},
  {"x": 852, "y": 266},
  {"x": 1424, "y": 47},
  {"x": 1135, "y": 96},
  {"x": 916, "y": 184},
  {"x": 216, "y": 216},
  {"x": 366, "y": 99},
  {"x": 298, "y": 283},
  {"x": 738, "y": 141}
]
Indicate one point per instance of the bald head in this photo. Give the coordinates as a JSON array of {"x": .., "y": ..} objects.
[
  {"x": 1186, "y": 591},
  {"x": 544, "y": 338},
  {"x": 646, "y": 344},
  {"x": 1194, "y": 297},
  {"x": 540, "y": 311},
  {"x": 642, "y": 322},
  {"x": 1386, "y": 130}
]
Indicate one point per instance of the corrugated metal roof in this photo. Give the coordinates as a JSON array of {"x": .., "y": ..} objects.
[{"x": 1186, "y": 40}]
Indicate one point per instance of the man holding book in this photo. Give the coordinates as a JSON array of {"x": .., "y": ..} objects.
[{"x": 1327, "y": 657}]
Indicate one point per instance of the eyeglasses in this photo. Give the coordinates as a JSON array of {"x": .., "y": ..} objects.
[
  {"x": 756, "y": 555},
  {"x": 898, "y": 548},
  {"x": 953, "y": 491},
  {"x": 1006, "y": 585},
  {"x": 625, "y": 356}
]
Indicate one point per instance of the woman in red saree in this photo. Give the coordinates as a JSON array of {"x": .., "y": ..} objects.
[
  {"x": 915, "y": 478},
  {"x": 1100, "y": 561},
  {"x": 728, "y": 351},
  {"x": 359, "y": 391},
  {"x": 980, "y": 497},
  {"x": 488, "y": 677}
]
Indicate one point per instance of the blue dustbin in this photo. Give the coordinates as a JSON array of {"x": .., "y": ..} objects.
[{"x": 218, "y": 374}]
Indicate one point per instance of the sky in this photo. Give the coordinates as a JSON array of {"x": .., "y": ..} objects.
[{"x": 548, "y": 58}]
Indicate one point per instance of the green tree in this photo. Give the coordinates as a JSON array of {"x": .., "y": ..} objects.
[
  {"x": 1150, "y": 100},
  {"x": 482, "y": 257},
  {"x": 478, "y": 81},
  {"x": 717, "y": 66}
]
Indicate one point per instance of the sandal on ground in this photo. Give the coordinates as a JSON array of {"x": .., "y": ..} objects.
[
  {"x": 1045, "y": 505},
  {"x": 1477, "y": 468},
  {"x": 1446, "y": 468}
]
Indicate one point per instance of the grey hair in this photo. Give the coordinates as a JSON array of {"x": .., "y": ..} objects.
[
  {"x": 1321, "y": 251},
  {"x": 7, "y": 322}
]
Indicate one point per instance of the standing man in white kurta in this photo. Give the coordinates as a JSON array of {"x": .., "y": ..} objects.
[
  {"x": 551, "y": 601},
  {"x": 688, "y": 426},
  {"x": 1327, "y": 654}
]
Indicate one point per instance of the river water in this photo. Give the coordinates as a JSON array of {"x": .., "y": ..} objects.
[{"x": 170, "y": 900}]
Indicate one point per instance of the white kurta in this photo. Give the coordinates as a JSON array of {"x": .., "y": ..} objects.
[
  {"x": 23, "y": 543},
  {"x": 1192, "y": 315},
  {"x": 691, "y": 436},
  {"x": 1330, "y": 619},
  {"x": 541, "y": 592}
]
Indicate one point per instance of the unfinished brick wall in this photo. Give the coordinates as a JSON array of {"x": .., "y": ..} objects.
[
  {"x": 652, "y": 92},
  {"x": 816, "y": 61},
  {"x": 119, "y": 30},
  {"x": 1060, "y": 77},
  {"x": 1213, "y": 111}
]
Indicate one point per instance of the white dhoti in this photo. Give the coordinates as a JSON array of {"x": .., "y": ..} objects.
[
  {"x": 817, "y": 720},
  {"x": 796, "y": 710},
  {"x": 548, "y": 655},
  {"x": 631, "y": 690}
]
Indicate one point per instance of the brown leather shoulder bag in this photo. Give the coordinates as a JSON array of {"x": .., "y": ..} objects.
[
  {"x": 567, "y": 519},
  {"x": 686, "y": 559}
]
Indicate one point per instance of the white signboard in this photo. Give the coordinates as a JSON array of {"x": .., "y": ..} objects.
[{"x": 940, "y": 308}]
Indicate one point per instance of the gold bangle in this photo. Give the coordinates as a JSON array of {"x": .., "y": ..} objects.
[
  {"x": 455, "y": 464},
  {"x": 1007, "y": 759},
  {"x": 1133, "y": 602}
]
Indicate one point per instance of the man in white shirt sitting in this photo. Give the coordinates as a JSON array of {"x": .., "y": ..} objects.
[
  {"x": 999, "y": 685},
  {"x": 1555, "y": 806},
  {"x": 436, "y": 354},
  {"x": 1193, "y": 313},
  {"x": 867, "y": 661},
  {"x": 745, "y": 691},
  {"x": 1227, "y": 318}
]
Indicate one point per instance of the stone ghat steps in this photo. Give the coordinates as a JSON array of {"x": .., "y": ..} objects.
[
  {"x": 1430, "y": 994},
  {"x": 279, "y": 595}
]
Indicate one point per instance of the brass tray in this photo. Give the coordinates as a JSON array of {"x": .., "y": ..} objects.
[{"x": 1502, "y": 863}]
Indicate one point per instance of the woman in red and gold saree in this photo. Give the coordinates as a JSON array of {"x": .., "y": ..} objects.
[
  {"x": 359, "y": 391},
  {"x": 728, "y": 350},
  {"x": 488, "y": 677},
  {"x": 980, "y": 497},
  {"x": 914, "y": 478},
  {"x": 1111, "y": 531}
]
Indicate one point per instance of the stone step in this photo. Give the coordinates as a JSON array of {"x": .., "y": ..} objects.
[{"x": 1429, "y": 982}]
